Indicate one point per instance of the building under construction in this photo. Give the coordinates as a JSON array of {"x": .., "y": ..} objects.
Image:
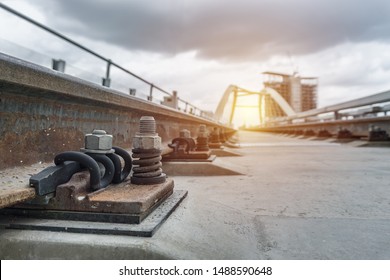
[{"x": 299, "y": 92}]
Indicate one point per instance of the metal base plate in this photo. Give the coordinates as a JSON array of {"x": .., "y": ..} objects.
[
  {"x": 123, "y": 198},
  {"x": 145, "y": 229},
  {"x": 127, "y": 218}
]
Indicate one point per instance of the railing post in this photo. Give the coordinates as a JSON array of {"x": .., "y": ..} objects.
[
  {"x": 150, "y": 97},
  {"x": 58, "y": 65},
  {"x": 171, "y": 100},
  {"x": 107, "y": 81},
  {"x": 175, "y": 99}
]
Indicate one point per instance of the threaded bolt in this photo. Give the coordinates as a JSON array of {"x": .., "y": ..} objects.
[
  {"x": 147, "y": 154},
  {"x": 202, "y": 132},
  {"x": 214, "y": 138},
  {"x": 99, "y": 132},
  {"x": 184, "y": 133},
  {"x": 202, "y": 140},
  {"x": 147, "y": 125}
]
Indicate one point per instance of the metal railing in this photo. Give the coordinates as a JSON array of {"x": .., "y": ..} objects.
[
  {"x": 376, "y": 105},
  {"x": 189, "y": 108}
]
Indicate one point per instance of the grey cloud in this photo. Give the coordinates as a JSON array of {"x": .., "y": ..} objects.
[{"x": 220, "y": 29}]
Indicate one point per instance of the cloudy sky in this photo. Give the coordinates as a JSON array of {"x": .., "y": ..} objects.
[{"x": 199, "y": 47}]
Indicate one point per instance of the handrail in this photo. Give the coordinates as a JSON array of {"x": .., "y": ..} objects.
[
  {"x": 52, "y": 31},
  {"x": 108, "y": 61}
]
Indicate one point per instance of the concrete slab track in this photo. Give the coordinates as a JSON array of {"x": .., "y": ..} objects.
[{"x": 298, "y": 199}]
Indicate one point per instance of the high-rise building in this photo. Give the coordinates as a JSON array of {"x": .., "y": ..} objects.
[{"x": 299, "y": 92}]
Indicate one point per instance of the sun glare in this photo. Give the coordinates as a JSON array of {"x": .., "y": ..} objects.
[{"x": 247, "y": 112}]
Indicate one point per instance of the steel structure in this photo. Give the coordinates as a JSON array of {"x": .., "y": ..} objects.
[
  {"x": 368, "y": 106},
  {"x": 237, "y": 92},
  {"x": 361, "y": 117}
]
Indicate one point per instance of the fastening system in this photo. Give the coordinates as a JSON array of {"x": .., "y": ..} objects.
[
  {"x": 98, "y": 150},
  {"x": 309, "y": 133},
  {"x": 344, "y": 133},
  {"x": 147, "y": 153},
  {"x": 377, "y": 134},
  {"x": 214, "y": 136},
  {"x": 324, "y": 133},
  {"x": 183, "y": 144},
  {"x": 222, "y": 135},
  {"x": 202, "y": 141},
  {"x": 214, "y": 139}
]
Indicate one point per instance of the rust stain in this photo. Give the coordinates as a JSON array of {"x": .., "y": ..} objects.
[
  {"x": 35, "y": 125},
  {"x": 117, "y": 198},
  {"x": 127, "y": 192},
  {"x": 37, "y": 146}
]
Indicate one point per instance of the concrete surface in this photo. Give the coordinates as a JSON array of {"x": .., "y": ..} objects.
[{"x": 298, "y": 199}]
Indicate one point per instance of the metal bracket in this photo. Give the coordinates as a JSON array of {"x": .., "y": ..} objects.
[{"x": 47, "y": 180}]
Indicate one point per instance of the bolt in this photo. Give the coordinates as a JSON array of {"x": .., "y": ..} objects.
[
  {"x": 147, "y": 125},
  {"x": 222, "y": 135},
  {"x": 202, "y": 140},
  {"x": 98, "y": 141},
  {"x": 324, "y": 133},
  {"x": 214, "y": 136},
  {"x": 99, "y": 132},
  {"x": 147, "y": 138},
  {"x": 202, "y": 131},
  {"x": 185, "y": 133},
  {"x": 147, "y": 154},
  {"x": 374, "y": 128}
]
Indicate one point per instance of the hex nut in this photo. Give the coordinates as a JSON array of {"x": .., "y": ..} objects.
[
  {"x": 185, "y": 133},
  {"x": 98, "y": 141},
  {"x": 147, "y": 142},
  {"x": 202, "y": 132}
]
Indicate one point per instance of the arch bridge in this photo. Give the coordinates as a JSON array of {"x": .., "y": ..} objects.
[{"x": 234, "y": 92}]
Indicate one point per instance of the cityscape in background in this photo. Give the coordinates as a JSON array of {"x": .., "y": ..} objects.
[{"x": 299, "y": 92}]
